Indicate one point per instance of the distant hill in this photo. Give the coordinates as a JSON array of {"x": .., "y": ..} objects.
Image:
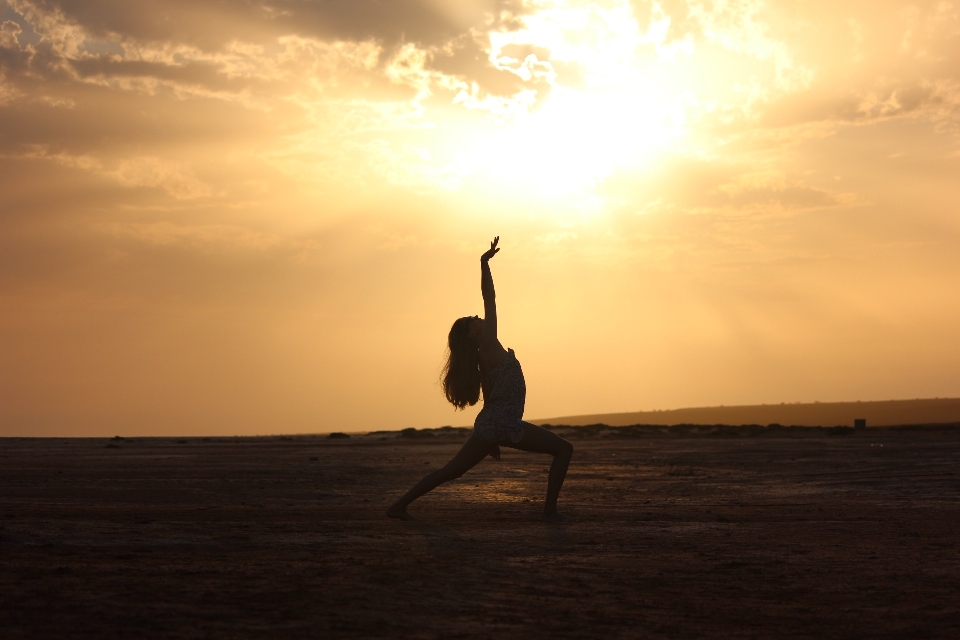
[{"x": 818, "y": 414}]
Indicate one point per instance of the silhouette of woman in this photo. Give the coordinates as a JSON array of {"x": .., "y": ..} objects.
[{"x": 478, "y": 361}]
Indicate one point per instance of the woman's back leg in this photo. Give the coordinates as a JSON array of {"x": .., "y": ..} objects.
[{"x": 471, "y": 453}]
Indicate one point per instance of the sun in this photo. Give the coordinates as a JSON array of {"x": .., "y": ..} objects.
[
  {"x": 619, "y": 114},
  {"x": 596, "y": 100},
  {"x": 577, "y": 139}
]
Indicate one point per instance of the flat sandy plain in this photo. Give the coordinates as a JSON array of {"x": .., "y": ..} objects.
[{"x": 679, "y": 533}]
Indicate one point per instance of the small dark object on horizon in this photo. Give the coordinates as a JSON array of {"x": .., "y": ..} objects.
[
  {"x": 117, "y": 438},
  {"x": 338, "y": 434},
  {"x": 411, "y": 432},
  {"x": 860, "y": 423}
]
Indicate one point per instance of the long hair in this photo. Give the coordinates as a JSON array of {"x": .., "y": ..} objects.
[{"x": 461, "y": 373}]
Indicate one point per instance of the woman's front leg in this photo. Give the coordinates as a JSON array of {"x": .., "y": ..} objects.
[
  {"x": 471, "y": 453},
  {"x": 539, "y": 440}
]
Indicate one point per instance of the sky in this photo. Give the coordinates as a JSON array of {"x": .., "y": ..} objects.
[{"x": 226, "y": 217}]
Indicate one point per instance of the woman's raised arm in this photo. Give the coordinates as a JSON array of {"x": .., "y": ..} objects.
[{"x": 489, "y": 294}]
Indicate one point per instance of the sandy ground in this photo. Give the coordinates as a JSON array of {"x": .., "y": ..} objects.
[{"x": 814, "y": 535}]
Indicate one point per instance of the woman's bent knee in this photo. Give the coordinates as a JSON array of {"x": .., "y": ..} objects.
[{"x": 562, "y": 449}]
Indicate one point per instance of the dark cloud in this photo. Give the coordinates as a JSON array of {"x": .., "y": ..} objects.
[
  {"x": 49, "y": 69},
  {"x": 73, "y": 99},
  {"x": 211, "y": 24}
]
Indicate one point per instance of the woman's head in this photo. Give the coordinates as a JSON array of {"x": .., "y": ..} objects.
[{"x": 461, "y": 373}]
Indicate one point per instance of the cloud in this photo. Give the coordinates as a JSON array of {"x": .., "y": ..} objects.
[
  {"x": 8, "y": 34},
  {"x": 210, "y": 25},
  {"x": 323, "y": 88},
  {"x": 316, "y": 88}
]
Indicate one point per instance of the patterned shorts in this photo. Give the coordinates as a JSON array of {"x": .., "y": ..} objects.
[{"x": 494, "y": 433}]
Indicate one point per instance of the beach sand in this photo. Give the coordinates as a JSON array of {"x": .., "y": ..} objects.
[{"x": 799, "y": 534}]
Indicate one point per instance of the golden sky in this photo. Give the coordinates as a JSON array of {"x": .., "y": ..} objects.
[{"x": 261, "y": 216}]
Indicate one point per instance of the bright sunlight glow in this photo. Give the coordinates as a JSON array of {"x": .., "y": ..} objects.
[
  {"x": 604, "y": 112},
  {"x": 576, "y": 139}
]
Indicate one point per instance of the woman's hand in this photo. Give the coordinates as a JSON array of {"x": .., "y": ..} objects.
[{"x": 492, "y": 252}]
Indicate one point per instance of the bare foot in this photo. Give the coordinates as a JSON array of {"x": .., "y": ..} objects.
[
  {"x": 556, "y": 516},
  {"x": 399, "y": 513}
]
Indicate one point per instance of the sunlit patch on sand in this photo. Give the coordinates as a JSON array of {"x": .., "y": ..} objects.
[{"x": 497, "y": 490}]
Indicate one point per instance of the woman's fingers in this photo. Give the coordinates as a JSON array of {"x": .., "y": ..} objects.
[{"x": 493, "y": 249}]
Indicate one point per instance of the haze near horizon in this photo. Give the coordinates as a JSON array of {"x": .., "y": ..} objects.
[{"x": 262, "y": 217}]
